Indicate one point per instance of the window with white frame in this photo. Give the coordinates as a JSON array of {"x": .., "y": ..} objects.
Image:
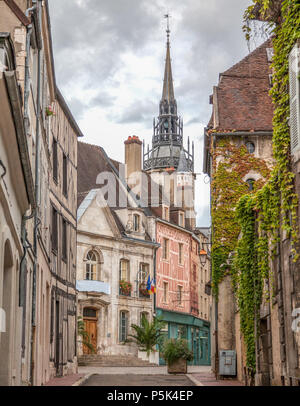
[
  {"x": 91, "y": 266},
  {"x": 181, "y": 219},
  {"x": 124, "y": 270}
]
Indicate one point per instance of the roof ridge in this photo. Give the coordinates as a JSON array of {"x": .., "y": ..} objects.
[{"x": 263, "y": 45}]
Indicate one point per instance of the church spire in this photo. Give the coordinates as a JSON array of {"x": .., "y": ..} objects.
[
  {"x": 167, "y": 140},
  {"x": 168, "y": 88}
]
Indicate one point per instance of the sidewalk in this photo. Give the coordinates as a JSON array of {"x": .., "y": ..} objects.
[
  {"x": 208, "y": 379},
  {"x": 68, "y": 380}
]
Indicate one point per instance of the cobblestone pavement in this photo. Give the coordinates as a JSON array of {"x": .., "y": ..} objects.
[
  {"x": 138, "y": 370},
  {"x": 68, "y": 380},
  {"x": 138, "y": 380}
]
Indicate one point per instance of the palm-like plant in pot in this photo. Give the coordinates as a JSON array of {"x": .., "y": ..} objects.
[
  {"x": 148, "y": 333},
  {"x": 176, "y": 353}
]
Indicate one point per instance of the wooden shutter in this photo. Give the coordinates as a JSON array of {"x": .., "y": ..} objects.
[{"x": 294, "y": 98}]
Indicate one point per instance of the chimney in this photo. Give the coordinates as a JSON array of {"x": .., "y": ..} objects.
[{"x": 133, "y": 155}]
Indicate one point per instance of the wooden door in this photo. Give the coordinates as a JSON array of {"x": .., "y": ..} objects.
[{"x": 91, "y": 328}]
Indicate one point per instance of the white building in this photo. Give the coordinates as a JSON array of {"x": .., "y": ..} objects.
[{"x": 115, "y": 248}]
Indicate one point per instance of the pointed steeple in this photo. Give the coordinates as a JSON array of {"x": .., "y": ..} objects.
[
  {"x": 168, "y": 88},
  {"x": 167, "y": 141}
]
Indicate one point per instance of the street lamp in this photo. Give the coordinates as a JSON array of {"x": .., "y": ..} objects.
[{"x": 203, "y": 257}]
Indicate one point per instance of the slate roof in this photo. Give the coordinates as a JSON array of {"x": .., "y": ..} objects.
[{"x": 243, "y": 100}]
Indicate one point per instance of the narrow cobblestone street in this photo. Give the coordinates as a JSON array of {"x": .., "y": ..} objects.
[{"x": 151, "y": 376}]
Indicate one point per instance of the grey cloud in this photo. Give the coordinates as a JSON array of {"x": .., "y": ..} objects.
[{"x": 138, "y": 112}]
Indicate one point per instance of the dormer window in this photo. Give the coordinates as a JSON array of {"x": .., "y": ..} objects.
[
  {"x": 181, "y": 219},
  {"x": 166, "y": 213},
  {"x": 136, "y": 223}
]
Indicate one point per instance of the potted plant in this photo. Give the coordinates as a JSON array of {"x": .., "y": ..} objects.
[
  {"x": 143, "y": 290},
  {"x": 49, "y": 111},
  {"x": 125, "y": 288},
  {"x": 147, "y": 336},
  {"x": 176, "y": 353}
]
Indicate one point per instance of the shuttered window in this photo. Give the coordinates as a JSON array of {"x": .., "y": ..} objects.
[
  {"x": 54, "y": 230},
  {"x": 294, "y": 61},
  {"x": 65, "y": 175},
  {"x": 54, "y": 160},
  {"x": 123, "y": 326}
]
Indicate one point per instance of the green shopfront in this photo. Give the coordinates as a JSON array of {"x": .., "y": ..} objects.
[{"x": 195, "y": 331}]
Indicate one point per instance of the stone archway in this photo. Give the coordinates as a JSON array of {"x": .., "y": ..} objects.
[{"x": 5, "y": 341}]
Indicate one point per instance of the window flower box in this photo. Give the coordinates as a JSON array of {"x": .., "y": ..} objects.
[
  {"x": 125, "y": 288},
  {"x": 143, "y": 290}
]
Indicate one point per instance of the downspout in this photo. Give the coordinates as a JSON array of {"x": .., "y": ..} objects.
[
  {"x": 25, "y": 244},
  {"x": 215, "y": 298},
  {"x": 37, "y": 196}
]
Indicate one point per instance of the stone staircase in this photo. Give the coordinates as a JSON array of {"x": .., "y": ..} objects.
[{"x": 95, "y": 360}]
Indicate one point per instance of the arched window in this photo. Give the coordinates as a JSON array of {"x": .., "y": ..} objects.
[
  {"x": 250, "y": 147},
  {"x": 91, "y": 266},
  {"x": 250, "y": 184},
  {"x": 123, "y": 326}
]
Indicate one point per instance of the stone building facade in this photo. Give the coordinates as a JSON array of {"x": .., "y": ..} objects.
[
  {"x": 115, "y": 251},
  {"x": 242, "y": 116},
  {"x": 40, "y": 276}
]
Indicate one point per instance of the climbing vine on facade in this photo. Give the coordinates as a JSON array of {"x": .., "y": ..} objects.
[
  {"x": 231, "y": 165},
  {"x": 271, "y": 211}
]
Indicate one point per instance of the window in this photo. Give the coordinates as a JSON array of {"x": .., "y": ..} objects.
[
  {"x": 181, "y": 219},
  {"x": 166, "y": 213},
  {"x": 250, "y": 147},
  {"x": 54, "y": 229},
  {"x": 194, "y": 272},
  {"x": 142, "y": 279},
  {"x": 180, "y": 256},
  {"x": 166, "y": 285},
  {"x": 54, "y": 160},
  {"x": 136, "y": 222},
  {"x": 65, "y": 175},
  {"x": 64, "y": 240},
  {"x": 124, "y": 270},
  {"x": 250, "y": 184},
  {"x": 165, "y": 248},
  {"x": 123, "y": 328},
  {"x": 294, "y": 69},
  {"x": 88, "y": 312},
  {"x": 179, "y": 293},
  {"x": 91, "y": 266}
]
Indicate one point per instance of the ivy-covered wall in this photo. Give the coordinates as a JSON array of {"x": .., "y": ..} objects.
[
  {"x": 251, "y": 224},
  {"x": 272, "y": 211}
]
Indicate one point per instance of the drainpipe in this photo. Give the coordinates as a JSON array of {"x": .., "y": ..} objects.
[
  {"x": 215, "y": 298},
  {"x": 37, "y": 196}
]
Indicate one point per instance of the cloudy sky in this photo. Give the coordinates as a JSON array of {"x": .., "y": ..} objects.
[{"x": 110, "y": 54}]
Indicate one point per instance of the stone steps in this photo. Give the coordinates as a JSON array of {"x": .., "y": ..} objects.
[{"x": 95, "y": 360}]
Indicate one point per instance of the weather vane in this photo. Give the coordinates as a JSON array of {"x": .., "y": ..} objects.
[{"x": 168, "y": 16}]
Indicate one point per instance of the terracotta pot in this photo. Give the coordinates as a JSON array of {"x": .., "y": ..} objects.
[{"x": 178, "y": 367}]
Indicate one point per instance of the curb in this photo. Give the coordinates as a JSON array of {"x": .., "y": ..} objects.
[
  {"x": 82, "y": 380},
  {"x": 194, "y": 380}
]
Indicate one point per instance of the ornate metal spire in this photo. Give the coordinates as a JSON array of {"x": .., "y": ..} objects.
[
  {"x": 167, "y": 140},
  {"x": 168, "y": 88}
]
